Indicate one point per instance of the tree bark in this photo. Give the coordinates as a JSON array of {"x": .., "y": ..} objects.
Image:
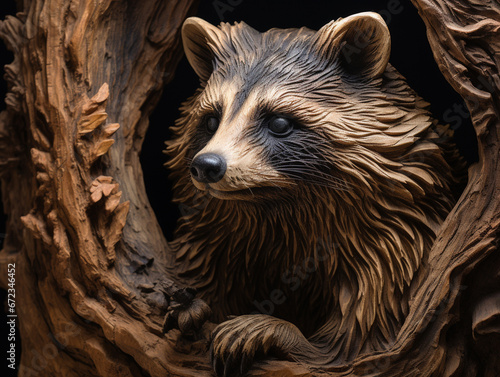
[
  {"x": 90, "y": 259},
  {"x": 87, "y": 248}
]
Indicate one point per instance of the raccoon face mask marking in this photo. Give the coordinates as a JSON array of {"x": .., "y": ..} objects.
[{"x": 255, "y": 112}]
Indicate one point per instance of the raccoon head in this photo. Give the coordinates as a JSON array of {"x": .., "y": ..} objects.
[{"x": 293, "y": 108}]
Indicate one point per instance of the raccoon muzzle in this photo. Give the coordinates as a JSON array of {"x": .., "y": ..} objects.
[{"x": 208, "y": 168}]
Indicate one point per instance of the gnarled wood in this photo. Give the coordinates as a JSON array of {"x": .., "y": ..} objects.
[{"x": 84, "y": 239}]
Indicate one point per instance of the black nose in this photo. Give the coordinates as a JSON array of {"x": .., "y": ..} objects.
[{"x": 208, "y": 168}]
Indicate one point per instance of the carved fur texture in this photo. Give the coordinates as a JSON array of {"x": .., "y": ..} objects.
[{"x": 311, "y": 239}]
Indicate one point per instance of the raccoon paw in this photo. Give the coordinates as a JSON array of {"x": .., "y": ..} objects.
[
  {"x": 186, "y": 313},
  {"x": 238, "y": 342}
]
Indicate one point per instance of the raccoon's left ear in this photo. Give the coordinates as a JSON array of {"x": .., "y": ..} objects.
[
  {"x": 197, "y": 35},
  {"x": 360, "y": 43}
]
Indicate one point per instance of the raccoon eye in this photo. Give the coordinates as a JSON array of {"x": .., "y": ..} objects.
[
  {"x": 279, "y": 126},
  {"x": 212, "y": 124}
]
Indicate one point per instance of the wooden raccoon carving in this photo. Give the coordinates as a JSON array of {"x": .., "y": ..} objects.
[{"x": 317, "y": 180}]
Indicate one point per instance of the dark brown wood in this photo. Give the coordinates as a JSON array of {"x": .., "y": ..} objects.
[{"x": 85, "y": 242}]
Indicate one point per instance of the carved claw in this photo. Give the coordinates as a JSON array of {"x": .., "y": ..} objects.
[
  {"x": 238, "y": 342},
  {"x": 186, "y": 313}
]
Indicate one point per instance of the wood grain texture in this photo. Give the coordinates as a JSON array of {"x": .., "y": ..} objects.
[
  {"x": 89, "y": 252},
  {"x": 87, "y": 247}
]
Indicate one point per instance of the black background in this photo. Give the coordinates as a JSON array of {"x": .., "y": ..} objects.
[{"x": 411, "y": 55}]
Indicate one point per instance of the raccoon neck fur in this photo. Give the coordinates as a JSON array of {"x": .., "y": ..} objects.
[{"x": 344, "y": 259}]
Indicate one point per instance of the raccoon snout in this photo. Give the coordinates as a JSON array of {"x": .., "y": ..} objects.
[{"x": 208, "y": 168}]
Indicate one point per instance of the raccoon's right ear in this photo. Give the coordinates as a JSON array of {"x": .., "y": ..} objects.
[
  {"x": 360, "y": 43},
  {"x": 197, "y": 34}
]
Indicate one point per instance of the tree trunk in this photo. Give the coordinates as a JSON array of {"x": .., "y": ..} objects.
[
  {"x": 87, "y": 249},
  {"x": 90, "y": 259}
]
